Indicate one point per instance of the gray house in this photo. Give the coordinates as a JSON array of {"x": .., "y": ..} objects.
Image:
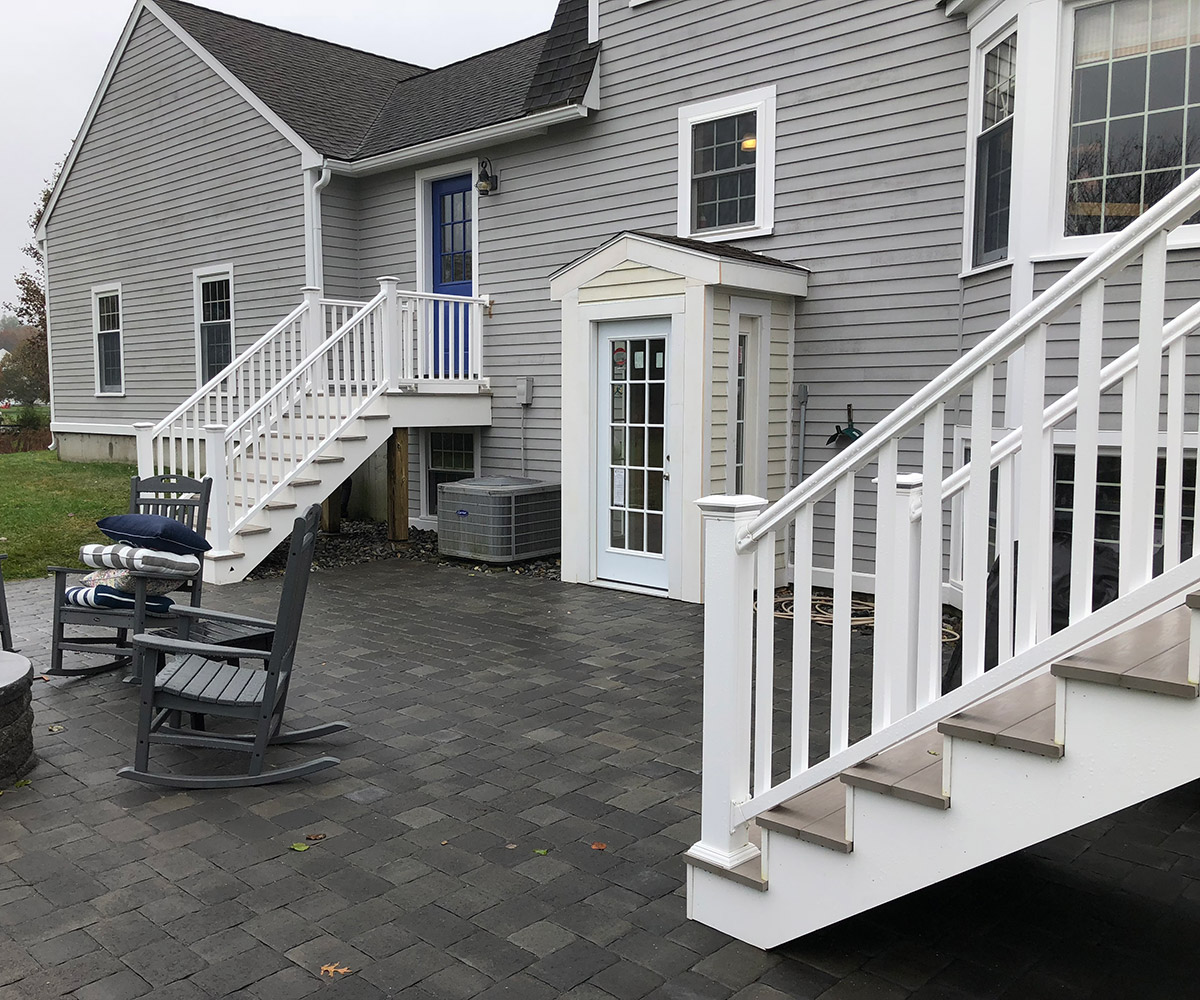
[{"x": 653, "y": 253}]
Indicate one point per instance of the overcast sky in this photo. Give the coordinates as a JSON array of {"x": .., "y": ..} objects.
[{"x": 56, "y": 52}]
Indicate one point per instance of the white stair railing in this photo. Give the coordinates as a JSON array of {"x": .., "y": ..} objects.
[
  {"x": 173, "y": 444},
  {"x": 1126, "y": 400},
  {"x": 397, "y": 340}
]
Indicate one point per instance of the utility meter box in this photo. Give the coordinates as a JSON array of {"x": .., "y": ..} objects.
[{"x": 499, "y": 519}]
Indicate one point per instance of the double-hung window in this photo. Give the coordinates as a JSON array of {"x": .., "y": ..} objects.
[
  {"x": 993, "y": 152},
  {"x": 727, "y": 166},
  {"x": 1135, "y": 109},
  {"x": 214, "y": 322},
  {"x": 106, "y": 324},
  {"x": 451, "y": 457}
]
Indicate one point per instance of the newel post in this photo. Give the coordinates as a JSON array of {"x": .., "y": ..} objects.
[
  {"x": 729, "y": 579},
  {"x": 391, "y": 331},
  {"x": 144, "y": 432},
  {"x": 218, "y": 506},
  {"x": 313, "y": 323}
]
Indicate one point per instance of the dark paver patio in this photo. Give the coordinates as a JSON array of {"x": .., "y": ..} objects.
[{"x": 502, "y": 726}]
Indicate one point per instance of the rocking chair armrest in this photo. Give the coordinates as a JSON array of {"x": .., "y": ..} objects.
[
  {"x": 56, "y": 570},
  {"x": 185, "y": 611},
  {"x": 165, "y": 644}
]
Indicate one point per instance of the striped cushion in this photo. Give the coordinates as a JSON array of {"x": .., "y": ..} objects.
[
  {"x": 107, "y": 598},
  {"x": 123, "y": 556}
]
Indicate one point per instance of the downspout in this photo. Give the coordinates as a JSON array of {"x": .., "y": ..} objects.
[{"x": 318, "y": 249}]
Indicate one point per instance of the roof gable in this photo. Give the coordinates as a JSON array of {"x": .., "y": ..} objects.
[
  {"x": 330, "y": 94},
  {"x": 567, "y": 61}
]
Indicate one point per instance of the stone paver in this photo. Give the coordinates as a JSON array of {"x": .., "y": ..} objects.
[{"x": 502, "y": 725}]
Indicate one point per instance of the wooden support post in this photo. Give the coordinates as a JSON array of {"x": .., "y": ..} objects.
[
  {"x": 397, "y": 485},
  {"x": 331, "y": 513}
]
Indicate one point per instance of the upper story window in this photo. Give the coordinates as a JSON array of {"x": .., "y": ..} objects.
[
  {"x": 727, "y": 166},
  {"x": 106, "y": 322},
  {"x": 214, "y": 321},
  {"x": 1135, "y": 109},
  {"x": 993, "y": 152}
]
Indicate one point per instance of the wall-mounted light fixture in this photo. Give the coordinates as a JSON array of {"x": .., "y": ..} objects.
[{"x": 488, "y": 183}]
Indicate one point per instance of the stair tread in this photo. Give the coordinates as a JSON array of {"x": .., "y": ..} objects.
[
  {"x": 817, "y": 816},
  {"x": 911, "y": 770},
  {"x": 1021, "y": 718},
  {"x": 1151, "y": 657}
]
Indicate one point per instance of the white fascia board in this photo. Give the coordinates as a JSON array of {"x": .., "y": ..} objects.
[
  {"x": 308, "y": 155},
  {"x": 763, "y": 278},
  {"x": 970, "y": 7},
  {"x": 463, "y": 142}
]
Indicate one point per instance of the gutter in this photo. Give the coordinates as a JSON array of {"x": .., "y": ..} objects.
[{"x": 463, "y": 142}]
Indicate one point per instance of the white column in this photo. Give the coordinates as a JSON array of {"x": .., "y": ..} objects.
[
  {"x": 391, "y": 331},
  {"x": 728, "y": 651},
  {"x": 218, "y": 506},
  {"x": 145, "y": 449}
]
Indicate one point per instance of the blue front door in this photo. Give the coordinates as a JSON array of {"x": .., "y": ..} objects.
[{"x": 450, "y": 354}]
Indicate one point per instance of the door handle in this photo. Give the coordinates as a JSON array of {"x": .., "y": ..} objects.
[{"x": 666, "y": 475}]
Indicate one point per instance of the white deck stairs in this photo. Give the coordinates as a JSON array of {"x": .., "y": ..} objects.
[
  {"x": 1072, "y": 723},
  {"x": 293, "y": 416}
]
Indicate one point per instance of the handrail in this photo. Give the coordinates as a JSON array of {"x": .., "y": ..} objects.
[
  {"x": 1173, "y": 209},
  {"x": 1183, "y": 325},
  {"x": 229, "y": 369},
  {"x": 267, "y": 398}
]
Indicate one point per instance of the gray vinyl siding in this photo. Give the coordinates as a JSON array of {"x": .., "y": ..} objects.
[
  {"x": 177, "y": 172},
  {"x": 869, "y": 190},
  {"x": 339, "y": 232}
]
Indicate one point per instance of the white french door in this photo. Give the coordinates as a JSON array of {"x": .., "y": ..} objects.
[{"x": 633, "y": 477}]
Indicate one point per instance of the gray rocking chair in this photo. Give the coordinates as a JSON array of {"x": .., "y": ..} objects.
[
  {"x": 185, "y": 500},
  {"x": 199, "y": 680}
]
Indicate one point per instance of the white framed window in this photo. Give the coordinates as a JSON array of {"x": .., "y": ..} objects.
[
  {"x": 749, "y": 396},
  {"x": 727, "y": 166},
  {"x": 213, "y": 304},
  {"x": 448, "y": 455},
  {"x": 108, "y": 342},
  {"x": 993, "y": 152}
]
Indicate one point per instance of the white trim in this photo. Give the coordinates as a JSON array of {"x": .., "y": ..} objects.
[
  {"x": 593, "y": 21},
  {"x": 96, "y": 291},
  {"x": 423, "y": 453},
  {"x": 464, "y": 142},
  {"x": 758, "y": 368},
  {"x": 43, "y": 245},
  {"x": 307, "y": 153},
  {"x": 199, "y": 276},
  {"x": 76, "y": 427},
  {"x": 763, "y": 102},
  {"x": 423, "y": 181}
]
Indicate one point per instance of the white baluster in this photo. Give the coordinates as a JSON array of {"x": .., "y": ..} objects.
[
  {"x": 929, "y": 617},
  {"x": 1139, "y": 465},
  {"x": 728, "y": 637},
  {"x": 843, "y": 585},
  {"x": 975, "y": 527},
  {"x": 1173, "y": 486},
  {"x": 887, "y": 586},
  {"x": 764, "y": 673},
  {"x": 802, "y": 638},
  {"x": 1087, "y": 437}
]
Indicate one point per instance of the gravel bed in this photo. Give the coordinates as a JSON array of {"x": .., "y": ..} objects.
[{"x": 367, "y": 541}]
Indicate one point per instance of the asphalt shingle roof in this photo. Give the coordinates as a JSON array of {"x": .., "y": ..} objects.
[
  {"x": 725, "y": 250},
  {"x": 463, "y": 96},
  {"x": 350, "y": 104},
  {"x": 330, "y": 94}
]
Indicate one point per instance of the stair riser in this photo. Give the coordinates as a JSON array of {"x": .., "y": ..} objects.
[{"x": 1121, "y": 747}]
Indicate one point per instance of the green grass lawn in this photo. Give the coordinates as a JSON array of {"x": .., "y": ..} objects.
[{"x": 49, "y": 508}]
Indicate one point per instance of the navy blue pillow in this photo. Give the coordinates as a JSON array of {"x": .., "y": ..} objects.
[{"x": 153, "y": 531}]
